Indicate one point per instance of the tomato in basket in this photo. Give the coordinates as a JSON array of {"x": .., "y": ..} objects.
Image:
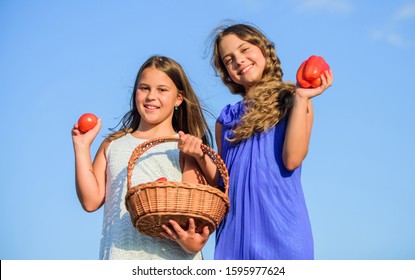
[{"x": 161, "y": 179}]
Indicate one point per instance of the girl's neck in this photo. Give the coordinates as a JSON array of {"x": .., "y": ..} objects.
[{"x": 153, "y": 132}]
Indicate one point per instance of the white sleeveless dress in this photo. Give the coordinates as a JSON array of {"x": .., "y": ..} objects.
[{"x": 120, "y": 240}]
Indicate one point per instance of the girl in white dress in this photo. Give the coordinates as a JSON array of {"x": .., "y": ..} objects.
[{"x": 163, "y": 103}]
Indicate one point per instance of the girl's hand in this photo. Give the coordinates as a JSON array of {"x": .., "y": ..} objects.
[
  {"x": 81, "y": 139},
  {"x": 189, "y": 240},
  {"x": 190, "y": 145},
  {"x": 326, "y": 81}
]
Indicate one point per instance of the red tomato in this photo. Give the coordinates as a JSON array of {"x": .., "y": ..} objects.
[
  {"x": 162, "y": 179},
  {"x": 308, "y": 75},
  {"x": 86, "y": 122}
]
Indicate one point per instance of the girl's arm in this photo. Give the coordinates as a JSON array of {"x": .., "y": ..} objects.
[
  {"x": 197, "y": 164},
  {"x": 300, "y": 121},
  {"x": 188, "y": 239},
  {"x": 89, "y": 177},
  {"x": 194, "y": 159},
  {"x": 297, "y": 135},
  {"x": 218, "y": 136}
]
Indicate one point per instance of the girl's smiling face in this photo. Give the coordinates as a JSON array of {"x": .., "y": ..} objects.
[
  {"x": 244, "y": 62},
  {"x": 156, "y": 98}
]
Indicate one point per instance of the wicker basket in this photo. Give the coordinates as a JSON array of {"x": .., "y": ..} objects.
[{"x": 153, "y": 204}]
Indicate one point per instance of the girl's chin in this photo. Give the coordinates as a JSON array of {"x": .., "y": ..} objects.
[{"x": 247, "y": 83}]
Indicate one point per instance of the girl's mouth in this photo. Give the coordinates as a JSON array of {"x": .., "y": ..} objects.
[
  {"x": 151, "y": 107},
  {"x": 243, "y": 71}
]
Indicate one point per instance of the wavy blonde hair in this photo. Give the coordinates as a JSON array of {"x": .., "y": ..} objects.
[
  {"x": 188, "y": 117},
  {"x": 267, "y": 101}
]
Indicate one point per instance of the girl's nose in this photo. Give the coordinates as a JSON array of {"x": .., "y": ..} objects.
[
  {"x": 240, "y": 59},
  {"x": 151, "y": 95}
]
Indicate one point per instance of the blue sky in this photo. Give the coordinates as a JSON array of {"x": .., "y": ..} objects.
[{"x": 60, "y": 59}]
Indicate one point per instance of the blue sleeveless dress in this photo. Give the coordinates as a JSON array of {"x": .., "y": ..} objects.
[{"x": 268, "y": 217}]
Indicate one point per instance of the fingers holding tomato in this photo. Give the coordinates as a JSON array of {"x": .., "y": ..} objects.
[
  {"x": 310, "y": 71},
  {"x": 86, "y": 129},
  {"x": 327, "y": 79},
  {"x": 326, "y": 82},
  {"x": 314, "y": 76},
  {"x": 87, "y": 122}
]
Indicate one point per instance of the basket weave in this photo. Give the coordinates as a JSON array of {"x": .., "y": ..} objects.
[{"x": 153, "y": 204}]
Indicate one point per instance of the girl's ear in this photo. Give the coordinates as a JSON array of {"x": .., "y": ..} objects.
[{"x": 179, "y": 99}]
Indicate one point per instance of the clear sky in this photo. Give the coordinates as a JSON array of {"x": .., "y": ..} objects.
[{"x": 60, "y": 59}]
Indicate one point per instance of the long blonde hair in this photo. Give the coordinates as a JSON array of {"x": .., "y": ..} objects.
[
  {"x": 269, "y": 100},
  {"x": 188, "y": 117}
]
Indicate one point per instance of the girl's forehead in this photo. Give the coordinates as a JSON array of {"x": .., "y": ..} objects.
[
  {"x": 230, "y": 43},
  {"x": 154, "y": 76},
  {"x": 231, "y": 38}
]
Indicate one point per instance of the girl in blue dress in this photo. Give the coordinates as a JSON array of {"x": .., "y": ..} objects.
[{"x": 263, "y": 140}]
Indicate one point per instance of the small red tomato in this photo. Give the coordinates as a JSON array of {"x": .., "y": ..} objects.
[
  {"x": 308, "y": 75},
  {"x": 86, "y": 122},
  {"x": 161, "y": 179}
]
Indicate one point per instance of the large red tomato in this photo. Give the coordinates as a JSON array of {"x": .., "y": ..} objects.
[
  {"x": 86, "y": 122},
  {"x": 308, "y": 75}
]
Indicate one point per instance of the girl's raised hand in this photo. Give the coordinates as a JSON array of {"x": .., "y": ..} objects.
[
  {"x": 189, "y": 240},
  {"x": 326, "y": 82},
  {"x": 85, "y": 139},
  {"x": 190, "y": 145}
]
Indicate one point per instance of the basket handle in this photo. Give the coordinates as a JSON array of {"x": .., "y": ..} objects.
[{"x": 142, "y": 148}]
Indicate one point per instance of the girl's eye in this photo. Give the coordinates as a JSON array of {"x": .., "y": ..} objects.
[
  {"x": 143, "y": 88},
  {"x": 228, "y": 60},
  {"x": 245, "y": 49},
  {"x": 162, "y": 89}
]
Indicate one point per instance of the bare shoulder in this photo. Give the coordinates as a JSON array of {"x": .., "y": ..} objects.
[{"x": 104, "y": 146}]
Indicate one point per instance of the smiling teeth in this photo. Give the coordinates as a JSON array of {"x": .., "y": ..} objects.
[
  {"x": 246, "y": 69},
  {"x": 151, "y": 107}
]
